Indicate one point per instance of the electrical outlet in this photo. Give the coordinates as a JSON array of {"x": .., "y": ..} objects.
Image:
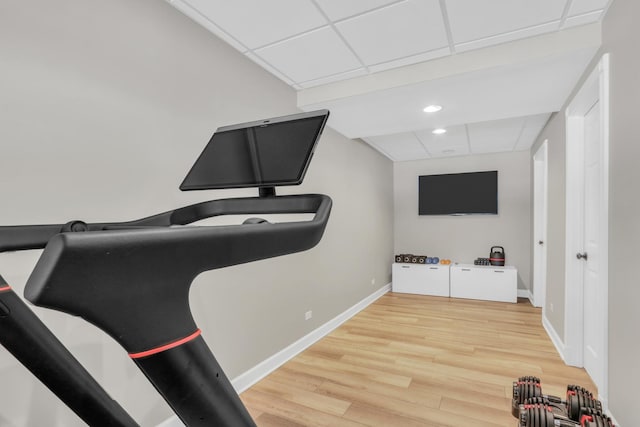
[
  {"x": 308, "y": 315},
  {"x": 373, "y": 281},
  {"x": 551, "y": 306}
]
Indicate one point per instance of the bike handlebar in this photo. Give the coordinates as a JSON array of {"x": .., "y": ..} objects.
[{"x": 132, "y": 280}]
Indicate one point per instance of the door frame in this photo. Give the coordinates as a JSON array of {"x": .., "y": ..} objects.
[
  {"x": 594, "y": 89},
  {"x": 540, "y": 212}
]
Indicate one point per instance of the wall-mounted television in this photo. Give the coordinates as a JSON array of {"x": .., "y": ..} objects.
[
  {"x": 264, "y": 153},
  {"x": 458, "y": 193}
]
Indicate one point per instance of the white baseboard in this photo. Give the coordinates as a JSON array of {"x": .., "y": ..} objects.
[
  {"x": 245, "y": 380},
  {"x": 555, "y": 338},
  {"x": 264, "y": 368},
  {"x": 525, "y": 293}
]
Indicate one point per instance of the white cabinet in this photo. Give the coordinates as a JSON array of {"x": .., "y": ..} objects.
[
  {"x": 484, "y": 282},
  {"x": 425, "y": 279}
]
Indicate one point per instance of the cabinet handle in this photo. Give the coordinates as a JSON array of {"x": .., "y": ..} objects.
[
  {"x": 433, "y": 268},
  {"x": 405, "y": 266},
  {"x": 466, "y": 269},
  {"x": 498, "y": 271}
]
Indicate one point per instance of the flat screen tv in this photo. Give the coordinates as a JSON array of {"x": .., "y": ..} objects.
[
  {"x": 264, "y": 153},
  {"x": 458, "y": 193}
]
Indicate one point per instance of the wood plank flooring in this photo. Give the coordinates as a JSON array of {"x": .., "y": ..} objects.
[{"x": 412, "y": 360}]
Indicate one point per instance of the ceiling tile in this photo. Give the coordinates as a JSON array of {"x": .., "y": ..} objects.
[
  {"x": 399, "y": 147},
  {"x": 314, "y": 55},
  {"x": 340, "y": 9},
  {"x": 401, "y": 30},
  {"x": 473, "y": 19},
  {"x": 452, "y": 143},
  {"x": 267, "y": 21},
  {"x": 584, "y": 6},
  {"x": 495, "y": 135}
]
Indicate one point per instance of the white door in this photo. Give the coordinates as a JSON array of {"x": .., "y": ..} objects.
[
  {"x": 587, "y": 234},
  {"x": 593, "y": 321},
  {"x": 540, "y": 225}
]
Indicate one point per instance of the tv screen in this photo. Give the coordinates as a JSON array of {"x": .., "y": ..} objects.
[
  {"x": 458, "y": 193},
  {"x": 263, "y": 153}
]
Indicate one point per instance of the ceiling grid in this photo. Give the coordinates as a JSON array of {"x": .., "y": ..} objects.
[{"x": 376, "y": 63}]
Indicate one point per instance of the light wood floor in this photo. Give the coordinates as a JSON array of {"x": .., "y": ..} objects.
[{"x": 411, "y": 360}]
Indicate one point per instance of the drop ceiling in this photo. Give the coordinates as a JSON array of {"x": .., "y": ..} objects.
[{"x": 499, "y": 68}]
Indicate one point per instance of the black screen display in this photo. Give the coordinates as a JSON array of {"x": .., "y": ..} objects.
[
  {"x": 265, "y": 153},
  {"x": 458, "y": 193}
]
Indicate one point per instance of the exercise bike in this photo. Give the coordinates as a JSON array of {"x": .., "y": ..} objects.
[{"x": 132, "y": 279}]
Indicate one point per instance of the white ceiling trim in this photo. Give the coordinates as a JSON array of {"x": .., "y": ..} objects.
[
  {"x": 542, "y": 46},
  {"x": 508, "y": 36}
]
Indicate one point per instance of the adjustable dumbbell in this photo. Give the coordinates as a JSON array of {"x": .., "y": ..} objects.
[
  {"x": 579, "y": 398},
  {"x": 540, "y": 415},
  {"x": 527, "y": 390}
]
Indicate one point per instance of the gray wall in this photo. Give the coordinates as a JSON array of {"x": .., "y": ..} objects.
[
  {"x": 465, "y": 238},
  {"x": 620, "y": 35},
  {"x": 104, "y": 105},
  {"x": 554, "y": 133}
]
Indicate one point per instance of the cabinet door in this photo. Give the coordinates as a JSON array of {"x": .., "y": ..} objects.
[
  {"x": 484, "y": 283},
  {"x": 421, "y": 279},
  {"x": 437, "y": 277}
]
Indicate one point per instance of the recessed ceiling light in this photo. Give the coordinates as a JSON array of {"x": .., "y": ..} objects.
[
  {"x": 432, "y": 108},
  {"x": 439, "y": 131}
]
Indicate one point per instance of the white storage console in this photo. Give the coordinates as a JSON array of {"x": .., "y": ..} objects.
[
  {"x": 484, "y": 282},
  {"x": 424, "y": 279}
]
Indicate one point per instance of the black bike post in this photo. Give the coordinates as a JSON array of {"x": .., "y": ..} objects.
[
  {"x": 190, "y": 379},
  {"x": 34, "y": 345}
]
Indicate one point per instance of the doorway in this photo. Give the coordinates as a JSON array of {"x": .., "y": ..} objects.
[
  {"x": 540, "y": 200},
  {"x": 586, "y": 297}
]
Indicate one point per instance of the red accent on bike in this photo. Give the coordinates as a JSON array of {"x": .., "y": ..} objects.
[{"x": 166, "y": 346}]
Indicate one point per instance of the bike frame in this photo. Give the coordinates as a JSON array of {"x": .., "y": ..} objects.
[{"x": 132, "y": 280}]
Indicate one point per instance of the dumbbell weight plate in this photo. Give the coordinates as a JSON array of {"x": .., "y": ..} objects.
[
  {"x": 531, "y": 421},
  {"x": 528, "y": 387},
  {"x": 548, "y": 418},
  {"x": 573, "y": 406},
  {"x": 534, "y": 389},
  {"x": 530, "y": 417},
  {"x": 536, "y": 416},
  {"x": 541, "y": 411},
  {"x": 582, "y": 399}
]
